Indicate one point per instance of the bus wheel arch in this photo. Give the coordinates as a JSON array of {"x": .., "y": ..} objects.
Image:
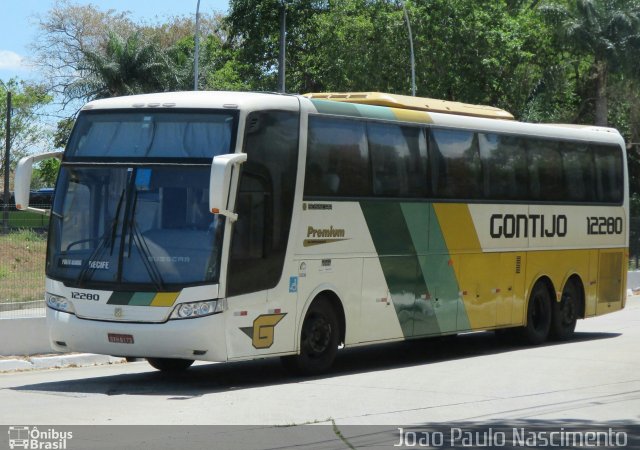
[
  {"x": 568, "y": 309},
  {"x": 539, "y": 312},
  {"x": 321, "y": 332}
]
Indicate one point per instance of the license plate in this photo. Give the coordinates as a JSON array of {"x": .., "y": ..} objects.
[{"x": 120, "y": 338}]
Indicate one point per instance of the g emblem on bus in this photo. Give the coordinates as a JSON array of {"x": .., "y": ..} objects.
[
  {"x": 118, "y": 312},
  {"x": 263, "y": 330}
]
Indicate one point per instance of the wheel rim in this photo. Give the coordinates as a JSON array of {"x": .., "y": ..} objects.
[
  {"x": 568, "y": 309},
  {"x": 317, "y": 336}
]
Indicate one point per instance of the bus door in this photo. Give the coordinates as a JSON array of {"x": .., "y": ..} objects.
[{"x": 262, "y": 304}]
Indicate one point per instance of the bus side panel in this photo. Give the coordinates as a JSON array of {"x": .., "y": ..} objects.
[{"x": 611, "y": 281}]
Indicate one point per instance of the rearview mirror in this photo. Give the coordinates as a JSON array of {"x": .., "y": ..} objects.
[
  {"x": 220, "y": 183},
  {"x": 22, "y": 180}
]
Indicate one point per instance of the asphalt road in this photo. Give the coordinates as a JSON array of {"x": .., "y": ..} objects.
[{"x": 473, "y": 378}]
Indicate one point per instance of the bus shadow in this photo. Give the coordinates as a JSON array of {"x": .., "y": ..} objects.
[{"x": 205, "y": 379}]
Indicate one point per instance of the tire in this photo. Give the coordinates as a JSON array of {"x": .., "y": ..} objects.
[
  {"x": 170, "y": 364},
  {"x": 539, "y": 314},
  {"x": 319, "y": 341},
  {"x": 565, "y": 313}
]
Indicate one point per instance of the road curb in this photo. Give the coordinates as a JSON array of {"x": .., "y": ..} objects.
[{"x": 58, "y": 362}]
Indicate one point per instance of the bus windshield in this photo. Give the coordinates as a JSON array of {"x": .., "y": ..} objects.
[
  {"x": 144, "y": 227},
  {"x": 151, "y": 134}
]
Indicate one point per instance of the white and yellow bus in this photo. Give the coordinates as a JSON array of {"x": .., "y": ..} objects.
[{"x": 227, "y": 226}]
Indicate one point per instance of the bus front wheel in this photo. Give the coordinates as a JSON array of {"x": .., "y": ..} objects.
[
  {"x": 538, "y": 315},
  {"x": 319, "y": 341},
  {"x": 170, "y": 364}
]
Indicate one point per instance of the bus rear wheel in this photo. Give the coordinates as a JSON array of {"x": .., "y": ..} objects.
[
  {"x": 539, "y": 315},
  {"x": 170, "y": 364},
  {"x": 565, "y": 313},
  {"x": 318, "y": 341}
]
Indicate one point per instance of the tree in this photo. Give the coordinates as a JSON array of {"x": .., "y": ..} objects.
[
  {"x": 27, "y": 133},
  {"x": 88, "y": 53},
  {"x": 46, "y": 172},
  {"x": 491, "y": 52},
  {"x": 605, "y": 31},
  {"x": 67, "y": 32},
  {"x": 127, "y": 65}
]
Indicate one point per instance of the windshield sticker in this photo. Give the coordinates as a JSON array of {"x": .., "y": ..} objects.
[
  {"x": 99, "y": 265},
  {"x": 67, "y": 262},
  {"x": 169, "y": 259},
  {"x": 143, "y": 179}
]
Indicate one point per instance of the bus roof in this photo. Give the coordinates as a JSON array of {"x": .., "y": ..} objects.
[{"x": 414, "y": 103}]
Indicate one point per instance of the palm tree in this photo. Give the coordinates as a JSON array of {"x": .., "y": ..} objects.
[
  {"x": 608, "y": 31},
  {"x": 125, "y": 66}
]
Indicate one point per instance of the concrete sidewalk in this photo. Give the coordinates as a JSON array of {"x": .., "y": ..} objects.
[{"x": 38, "y": 362}]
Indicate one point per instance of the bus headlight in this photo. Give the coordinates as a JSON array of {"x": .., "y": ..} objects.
[
  {"x": 197, "y": 309},
  {"x": 59, "y": 303}
]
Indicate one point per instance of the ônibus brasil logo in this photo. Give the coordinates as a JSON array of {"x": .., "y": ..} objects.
[{"x": 33, "y": 438}]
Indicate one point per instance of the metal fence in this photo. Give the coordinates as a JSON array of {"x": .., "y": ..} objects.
[{"x": 23, "y": 243}]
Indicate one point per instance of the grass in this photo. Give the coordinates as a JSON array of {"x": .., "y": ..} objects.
[
  {"x": 22, "y": 260},
  {"x": 26, "y": 219}
]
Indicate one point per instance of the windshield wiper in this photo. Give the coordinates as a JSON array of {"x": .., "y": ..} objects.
[
  {"x": 109, "y": 236},
  {"x": 141, "y": 244}
]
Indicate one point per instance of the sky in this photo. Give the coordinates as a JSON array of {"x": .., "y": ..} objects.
[{"x": 18, "y": 25}]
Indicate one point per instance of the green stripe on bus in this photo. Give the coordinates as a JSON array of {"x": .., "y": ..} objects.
[
  {"x": 354, "y": 110},
  {"x": 120, "y": 298},
  {"x": 401, "y": 267},
  {"x": 337, "y": 108},
  {"x": 142, "y": 298},
  {"x": 376, "y": 112}
]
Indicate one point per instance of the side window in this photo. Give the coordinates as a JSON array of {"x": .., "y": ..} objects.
[
  {"x": 265, "y": 201},
  {"x": 337, "y": 158},
  {"x": 546, "y": 180},
  {"x": 608, "y": 166},
  {"x": 504, "y": 164},
  {"x": 455, "y": 164},
  {"x": 398, "y": 160},
  {"x": 579, "y": 173}
]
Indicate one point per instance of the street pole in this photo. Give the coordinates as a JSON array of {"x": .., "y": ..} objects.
[
  {"x": 197, "y": 51},
  {"x": 7, "y": 168},
  {"x": 413, "y": 61},
  {"x": 283, "y": 45}
]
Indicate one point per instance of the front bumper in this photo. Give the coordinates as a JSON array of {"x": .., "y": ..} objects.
[{"x": 201, "y": 338}]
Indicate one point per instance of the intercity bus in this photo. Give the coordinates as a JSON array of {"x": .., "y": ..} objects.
[{"x": 226, "y": 226}]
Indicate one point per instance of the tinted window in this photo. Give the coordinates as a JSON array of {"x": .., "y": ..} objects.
[
  {"x": 579, "y": 175},
  {"x": 398, "y": 160},
  {"x": 608, "y": 168},
  {"x": 504, "y": 164},
  {"x": 455, "y": 164},
  {"x": 546, "y": 177},
  {"x": 337, "y": 158}
]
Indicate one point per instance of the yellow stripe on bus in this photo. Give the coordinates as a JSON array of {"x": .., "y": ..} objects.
[
  {"x": 457, "y": 227},
  {"x": 165, "y": 299}
]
